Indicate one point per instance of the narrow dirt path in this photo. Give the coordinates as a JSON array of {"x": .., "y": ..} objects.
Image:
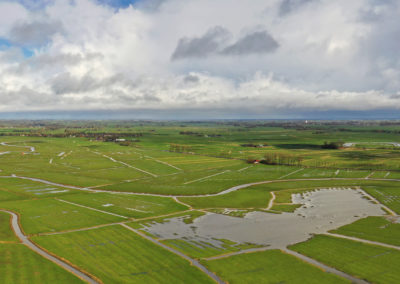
[
  {"x": 203, "y": 178},
  {"x": 363, "y": 241},
  {"x": 369, "y": 175},
  {"x": 296, "y": 171},
  {"x": 324, "y": 267},
  {"x": 191, "y": 260},
  {"x": 24, "y": 239},
  {"x": 129, "y": 166},
  {"x": 237, "y": 253},
  {"x": 165, "y": 163}
]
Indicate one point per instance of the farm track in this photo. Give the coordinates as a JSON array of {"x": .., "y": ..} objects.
[
  {"x": 129, "y": 166},
  {"x": 363, "y": 241},
  {"x": 24, "y": 239},
  {"x": 237, "y": 253}
]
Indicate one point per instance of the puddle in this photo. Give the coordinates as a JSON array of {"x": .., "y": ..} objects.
[{"x": 322, "y": 210}]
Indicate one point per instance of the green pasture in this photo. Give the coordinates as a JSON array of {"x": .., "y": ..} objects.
[
  {"x": 134, "y": 206},
  {"x": 373, "y": 263},
  {"x": 379, "y": 229},
  {"x": 6, "y": 233},
  {"x": 51, "y": 215},
  {"x": 117, "y": 255},
  {"x": 19, "y": 264},
  {"x": 250, "y": 197},
  {"x": 272, "y": 266}
]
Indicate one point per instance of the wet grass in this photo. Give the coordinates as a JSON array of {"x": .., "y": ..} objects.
[
  {"x": 372, "y": 263},
  {"x": 204, "y": 249},
  {"x": 187, "y": 217},
  {"x": 377, "y": 229},
  {"x": 271, "y": 266},
  {"x": 117, "y": 255}
]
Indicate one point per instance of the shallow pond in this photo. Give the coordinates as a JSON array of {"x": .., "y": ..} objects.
[{"x": 321, "y": 211}]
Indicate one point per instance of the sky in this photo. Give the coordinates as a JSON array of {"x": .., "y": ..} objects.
[{"x": 200, "y": 58}]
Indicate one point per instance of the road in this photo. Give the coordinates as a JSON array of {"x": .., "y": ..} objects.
[{"x": 24, "y": 239}]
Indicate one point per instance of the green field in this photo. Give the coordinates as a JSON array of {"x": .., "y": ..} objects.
[
  {"x": 134, "y": 206},
  {"x": 271, "y": 266},
  {"x": 90, "y": 181},
  {"x": 21, "y": 265},
  {"x": 376, "y": 229},
  {"x": 251, "y": 197},
  {"x": 51, "y": 215},
  {"x": 372, "y": 263},
  {"x": 117, "y": 255},
  {"x": 6, "y": 233}
]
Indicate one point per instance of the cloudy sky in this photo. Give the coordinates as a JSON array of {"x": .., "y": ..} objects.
[{"x": 201, "y": 58}]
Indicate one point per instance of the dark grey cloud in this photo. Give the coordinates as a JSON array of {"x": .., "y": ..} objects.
[
  {"x": 34, "y": 33},
  {"x": 253, "y": 43},
  {"x": 191, "y": 79},
  {"x": 198, "y": 47},
  {"x": 287, "y": 6},
  {"x": 215, "y": 42},
  {"x": 65, "y": 83}
]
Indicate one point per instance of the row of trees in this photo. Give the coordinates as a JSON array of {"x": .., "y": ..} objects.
[
  {"x": 278, "y": 159},
  {"x": 179, "y": 148}
]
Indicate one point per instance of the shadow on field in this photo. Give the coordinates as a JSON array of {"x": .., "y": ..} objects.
[
  {"x": 299, "y": 146},
  {"x": 357, "y": 155}
]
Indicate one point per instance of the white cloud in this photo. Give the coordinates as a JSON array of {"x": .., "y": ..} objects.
[{"x": 321, "y": 55}]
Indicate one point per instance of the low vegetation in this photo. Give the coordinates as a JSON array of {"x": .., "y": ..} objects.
[
  {"x": 372, "y": 263},
  {"x": 271, "y": 266}
]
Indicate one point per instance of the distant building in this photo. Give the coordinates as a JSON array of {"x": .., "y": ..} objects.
[{"x": 120, "y": 140}]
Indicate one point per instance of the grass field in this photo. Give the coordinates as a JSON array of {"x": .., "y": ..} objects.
[
  {"x": 271, "y": 266},
  {"x": 50, "y": 215},
  {"x": 377, "y": 229},
  {"x": 21, "y": 265},
  {"x": 372, "y": 263},
  {"x": 251, "y": 197},
  {"x": 117, "y": 255},
  {"x": 188, "y": 159},
  {"x": 135, "y": 206},
  {"x": 6, "y": 233}
]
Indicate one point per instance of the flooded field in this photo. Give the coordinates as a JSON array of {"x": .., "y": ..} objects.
[{"x": 322, "y": 210}]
